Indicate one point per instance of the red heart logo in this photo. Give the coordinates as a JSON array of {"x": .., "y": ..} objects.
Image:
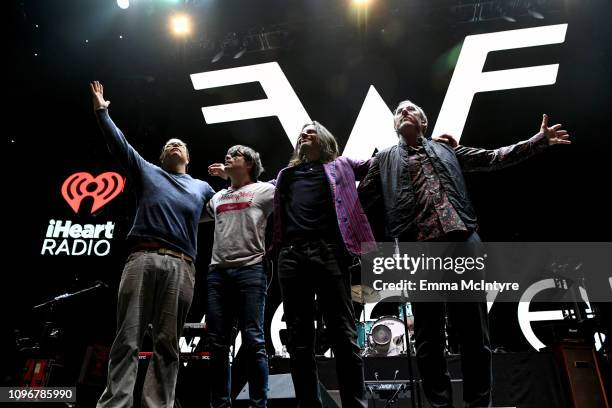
[{"x": 107, "y": 186}]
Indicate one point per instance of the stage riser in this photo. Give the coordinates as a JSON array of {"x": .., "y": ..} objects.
[{"x": 520, "y": 379}]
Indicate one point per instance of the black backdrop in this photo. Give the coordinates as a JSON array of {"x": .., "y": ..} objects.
[{"x": 331, "y": 57}]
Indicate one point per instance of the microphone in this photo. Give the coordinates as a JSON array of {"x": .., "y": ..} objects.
[{"x": 100, "y": 283}]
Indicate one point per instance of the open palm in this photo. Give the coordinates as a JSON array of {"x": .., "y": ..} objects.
[
  {"x": 554, "y": 134},
  {"x": 97, "y": 92}
]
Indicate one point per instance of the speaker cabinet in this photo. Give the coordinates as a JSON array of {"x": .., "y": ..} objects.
[{"x": 580, "y": 369}]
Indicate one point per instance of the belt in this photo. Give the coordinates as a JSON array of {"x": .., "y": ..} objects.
[
  {"x": 160, "y": 249},
  {"x": 304, "y": 239}
]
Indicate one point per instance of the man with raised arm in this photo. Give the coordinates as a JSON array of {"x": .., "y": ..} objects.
[
  {"x": 422, "y": 195},
  {"x": 157, "y": 283}
]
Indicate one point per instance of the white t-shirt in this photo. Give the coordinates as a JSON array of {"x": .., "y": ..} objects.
[{"x": 240, "y": 224}]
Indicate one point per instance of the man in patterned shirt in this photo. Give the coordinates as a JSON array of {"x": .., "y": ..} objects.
[{"x": 431, "y": 204}]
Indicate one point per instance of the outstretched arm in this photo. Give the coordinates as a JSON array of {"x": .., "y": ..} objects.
[
  {"x": 372, "y": 201},
  {"x": 119, "y": 147},
  {"x": 360, "y": 167},
  {"x": 475, "y": 159}
]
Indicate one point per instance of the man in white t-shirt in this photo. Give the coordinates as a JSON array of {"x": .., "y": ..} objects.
[{"x": 237, "y": 279}]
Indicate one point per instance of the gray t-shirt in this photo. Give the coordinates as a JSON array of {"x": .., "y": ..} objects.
[{"x": 240, "y": 224}]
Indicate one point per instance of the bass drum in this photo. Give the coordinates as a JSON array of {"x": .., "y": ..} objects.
[{"x": 387, "y": 337}]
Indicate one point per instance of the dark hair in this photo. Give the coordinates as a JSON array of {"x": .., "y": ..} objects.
[
  {"x": 250, "y": 156},
  {"x": 327, "y": 141}
]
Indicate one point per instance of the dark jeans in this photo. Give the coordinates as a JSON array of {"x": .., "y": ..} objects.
[
  {"x": 316, "y": 267},
  {"x": 472, "y": 323},
  {"x": 237, "y": 292}
]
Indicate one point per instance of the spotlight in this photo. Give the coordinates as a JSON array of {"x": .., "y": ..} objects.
[
  {"x": 123, "y": 4},
  {"x": 505, "y": 13},
  {"x": 218, "y": 55},
  {"x": 243, "y": 49},
  {"x": 240, "y": 53},
  {"x": 535, "y": 14},
  {"x": 181, "y": 25},
  {"x": 361, "y": 2}
]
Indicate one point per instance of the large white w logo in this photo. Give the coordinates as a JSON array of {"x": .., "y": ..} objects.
[{"x": 373, "y": 128}]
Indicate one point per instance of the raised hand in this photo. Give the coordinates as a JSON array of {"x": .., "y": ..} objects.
[
  {"x": 218, "y": 170},
  {"x": 97, "y": 92},
  {"x": 554, "y": 134}
]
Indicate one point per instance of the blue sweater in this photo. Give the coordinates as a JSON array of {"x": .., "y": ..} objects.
[{"x": 169, "y": 204}]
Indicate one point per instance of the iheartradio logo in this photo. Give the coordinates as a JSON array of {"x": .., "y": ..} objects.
[
  {"x": 102, "y": 189},
  {"x": 63, "y": 237}
]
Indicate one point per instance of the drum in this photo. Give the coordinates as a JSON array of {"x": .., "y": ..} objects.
[
  {"x": 387, "y": 337},
  {"x": 363, "y": 328}
]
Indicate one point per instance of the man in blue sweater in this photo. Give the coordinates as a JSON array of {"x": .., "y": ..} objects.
[{"x": 156, "y": 286}]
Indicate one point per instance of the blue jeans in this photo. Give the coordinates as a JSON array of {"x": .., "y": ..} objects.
[{"x": 237, "y": 292}]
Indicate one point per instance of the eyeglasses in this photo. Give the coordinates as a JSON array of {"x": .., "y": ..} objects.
[
  {"x": 174, "y": 144},
  {"x": 236, "y": 154}
]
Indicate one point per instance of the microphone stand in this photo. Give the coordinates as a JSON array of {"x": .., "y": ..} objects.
[
  {"x": 413, "y": 389},
  {"x": 395, "y": 395},
  {"x": 52, "y": 302},
  {"x": 403, "y": 299}
]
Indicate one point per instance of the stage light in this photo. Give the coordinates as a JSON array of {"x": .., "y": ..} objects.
[
  {"x": 361, "y": 2},
  {"x": 181, "y": 25},
  {"x": 243, "y": 49},
  {"x": 123, "y": 4},
  {"x": 218, "y": 55},
  {"x": 535, "y": 14},
  {"x": 240, "y": 53}
]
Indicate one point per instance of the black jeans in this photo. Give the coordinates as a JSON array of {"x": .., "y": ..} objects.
[
  {"x": 472, "y": 323},
  {"x": 318, "y": 267}
]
